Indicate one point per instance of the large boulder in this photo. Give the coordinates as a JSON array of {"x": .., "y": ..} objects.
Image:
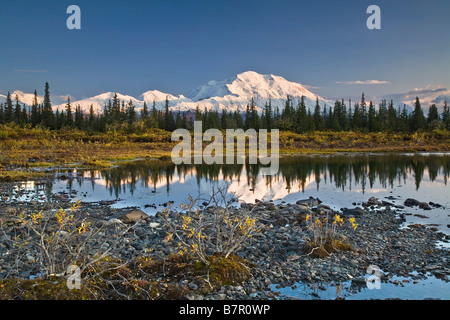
[
  {"x": 411, "y": 202},
  {"x": 133, "y": 216},
  {"x": 311, "y": 202},
  {"x": 372, "y": 201}
]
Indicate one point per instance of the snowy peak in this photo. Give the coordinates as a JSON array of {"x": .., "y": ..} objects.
[
  {"x": 267, "y": 86},
  {"x": 233, "y": 94},
  {"x": 99, "y": 101},
  {"x": 251, "y": 84},
  {"x": 212, "y": 89},
  {"x": 236, "y": 92},
  {"x": 158, "y": 96},
  {"x": 26, "y": 98}
]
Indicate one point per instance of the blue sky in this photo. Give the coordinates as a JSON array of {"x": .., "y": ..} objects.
[{"x": 173, "y": 46}]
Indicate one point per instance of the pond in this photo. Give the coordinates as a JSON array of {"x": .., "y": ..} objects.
[
  {"x": 339, "y": 180},
  {"x": 394, "y": 288}
]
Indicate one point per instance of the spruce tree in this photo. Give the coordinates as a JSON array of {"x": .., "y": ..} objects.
[
  {"x": 382, "y": 116},
  {"x": 317, "y": 117},
  {"x": 131, "y": 114},
  {"x": 357, "y": 117},
  {"x": 91, "y": 119},
  {"x": 69, "y": 116},
  {"x": 287, "y": 116},
  {"x": 433, "y": 117},
  {"x": 57, "y": 120},
  {"x": 123, "y": 115},
  {"x": 248, "y": 117},
  {"x": 145, "y": 116},
  {"x": 254, "y": 123},
  {"x": 17, "y": 111},
  {"x": 178, "y": 120},
  {"x": 169, "y": 121},
  {"x": 35, "y": 117},
  {"x": 372, "y": 118},
  {"x": 2, "y": 114},
  {"x": 404, "y": 120},
  {"x": 198, "y": 114},
  {"x": 24, "y": 115},
  {"x": 184, "y": 121},
  {"x": 223, "y": 119},
  {"x": 269, "y": 116},
  {"x": 154, "y": 119},
  {"x": 302, "y": 117},
  {"x": 392, "y": 118},
  {"x": 446, "y": 116},
  {"x": 417, "y": 119},
  {"x": 350, "y": 115},
  {"x": 342, "y": 116},
  {"x": 115, "y": 109},
  {"x": 9, "y": 115},
  {"x": 276, "y": 118},
  {"x": 237, "y": 117},
  {"x": 48, "y": 118},
  {"x": 309, "y": 124},
  {"x": 79, "y": 118},
  {"x": 324, "y": 116},
  {"x": 363, "y": 109}
]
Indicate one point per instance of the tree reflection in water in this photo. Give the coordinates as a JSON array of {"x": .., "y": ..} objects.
[{"x": 345, "y": 171}]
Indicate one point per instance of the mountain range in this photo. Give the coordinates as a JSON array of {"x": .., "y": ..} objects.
[{"x": 231, "y": 94}]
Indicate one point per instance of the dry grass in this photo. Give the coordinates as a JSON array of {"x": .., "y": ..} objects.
[
  {"x": 43, "y": 148},
  {"x": 326, "y": 248}
]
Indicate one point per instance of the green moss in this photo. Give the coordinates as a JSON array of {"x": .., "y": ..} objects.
[
  {"x": 109, "y": 278},
  {"x": 218, "y": 272},
  {"x": 228, "y": 271},
  {"x": 53, "y": 288}
]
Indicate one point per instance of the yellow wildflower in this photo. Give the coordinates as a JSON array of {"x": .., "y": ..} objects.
[{"x": 82, "y": 228}]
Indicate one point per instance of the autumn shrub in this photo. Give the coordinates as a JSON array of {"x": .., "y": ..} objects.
[
  {"x": 50, "y": 244},
  {"x": 324, "y": 236},
  {"x": 215, "y": 228}
]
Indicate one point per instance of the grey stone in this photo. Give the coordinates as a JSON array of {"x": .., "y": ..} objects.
[
  {"x": 134, "y": 216},
  {"x": 411, "y": 202},
  {"x": 192, "y": 286},
  {"x": 354, "y": 212}
]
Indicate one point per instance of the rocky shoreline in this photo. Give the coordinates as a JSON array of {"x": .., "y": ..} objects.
[{"x": 275, "y": 252}]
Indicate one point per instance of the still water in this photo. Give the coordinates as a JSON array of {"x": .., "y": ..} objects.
[
  {"x": 395, "y": 288},
  {"x": 340, "y": 180}
]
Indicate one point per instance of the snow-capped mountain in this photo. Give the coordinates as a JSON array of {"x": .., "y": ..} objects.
[
  {"x": 236, "y": 93},
  {"x": 160, "y": 99},
  {"x": 251, "y": 84},
  {"x": 231, "y": 94},
  {"x": 26, "y": 98},
  {"x": 99, "y": 101}
]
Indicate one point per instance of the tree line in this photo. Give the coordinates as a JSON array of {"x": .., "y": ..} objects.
[{"x": 295, "y": 116}]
